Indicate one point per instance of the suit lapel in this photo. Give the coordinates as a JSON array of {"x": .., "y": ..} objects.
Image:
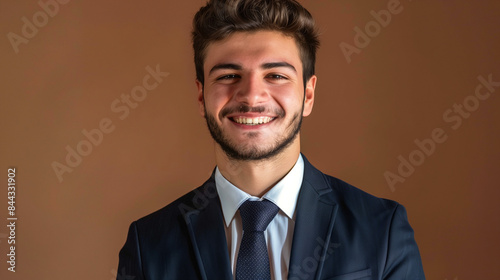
[
  {"x": 315, "y": 217},
  {"x": 206, "y": 229}
]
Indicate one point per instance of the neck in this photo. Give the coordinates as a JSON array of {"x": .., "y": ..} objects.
[{"x": 257, "y": 177}]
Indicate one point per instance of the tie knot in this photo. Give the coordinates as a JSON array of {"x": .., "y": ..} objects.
[{"x": 256, "y": 215}]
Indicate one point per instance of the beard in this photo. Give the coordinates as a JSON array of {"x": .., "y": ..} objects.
[{"x": 253, "y": 151}]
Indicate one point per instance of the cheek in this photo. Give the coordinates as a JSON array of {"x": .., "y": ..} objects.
[
  {"x": 289, "y": 99},
  {"x": 215, "y": 100}
]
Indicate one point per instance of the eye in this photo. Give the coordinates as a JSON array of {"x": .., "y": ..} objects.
[
  {"x": 228, "y": 77},
  {"x": 277, "y": 77}
]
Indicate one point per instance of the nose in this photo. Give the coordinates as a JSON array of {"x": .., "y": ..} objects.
[{"x": 251, "y": 91}]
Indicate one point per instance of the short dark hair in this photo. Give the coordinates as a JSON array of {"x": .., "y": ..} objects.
[{"x": 220, "y": 18}]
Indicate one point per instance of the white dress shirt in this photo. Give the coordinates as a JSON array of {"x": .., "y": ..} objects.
[{"x": 279, "y": 233}]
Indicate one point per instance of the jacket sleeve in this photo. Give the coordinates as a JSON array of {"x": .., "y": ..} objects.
[
  {"x": 130, "y": 265},
  {"x": 403, "y": 257}
]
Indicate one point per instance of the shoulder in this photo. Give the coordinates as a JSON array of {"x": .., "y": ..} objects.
[
  {"x": 176, "y": 211},
  {"x": 349, "y": 198},
  {"x": 368, "y": 212},
  {"x": 351, "y": 195}
]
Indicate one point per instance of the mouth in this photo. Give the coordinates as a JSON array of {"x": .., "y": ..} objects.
[{"x": 252, "y": 121}]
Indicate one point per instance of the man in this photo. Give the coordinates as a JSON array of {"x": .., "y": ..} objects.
[{"x": 266, "y": 212}]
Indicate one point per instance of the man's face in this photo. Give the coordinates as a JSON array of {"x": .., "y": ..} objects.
[{"x": 253, "y": 96}]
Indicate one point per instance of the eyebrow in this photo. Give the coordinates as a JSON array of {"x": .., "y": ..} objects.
[
  {"x": 269, "y": 65},
  {"x": 225, "y": 66},
  {"x": 277, "y": 65}
]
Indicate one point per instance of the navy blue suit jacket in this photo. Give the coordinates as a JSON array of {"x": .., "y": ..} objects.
[{"x": 341, "y": 233}]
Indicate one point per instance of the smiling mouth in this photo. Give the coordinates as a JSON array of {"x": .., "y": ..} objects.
[{"x": 252, "y": 121}]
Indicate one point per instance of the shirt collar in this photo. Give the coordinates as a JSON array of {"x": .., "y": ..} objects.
[{"x": 284, "y": 194}]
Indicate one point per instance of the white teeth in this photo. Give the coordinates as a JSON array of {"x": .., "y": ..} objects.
[{"x": 252, "y": 121}]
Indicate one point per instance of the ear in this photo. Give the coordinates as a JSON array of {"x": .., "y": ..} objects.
[
  {"x": 201, "y": 99},
  {"x": 309, "y": 96}
]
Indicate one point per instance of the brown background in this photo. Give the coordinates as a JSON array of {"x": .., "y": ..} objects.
[{"x": 367, "y": 113}]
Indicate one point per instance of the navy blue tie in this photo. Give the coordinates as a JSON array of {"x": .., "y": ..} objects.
[{"x": 253, "y": 258}]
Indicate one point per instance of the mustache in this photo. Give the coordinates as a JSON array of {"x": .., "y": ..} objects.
[{"x": 243, "y": 108}]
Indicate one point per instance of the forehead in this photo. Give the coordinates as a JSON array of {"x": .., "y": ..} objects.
[{"x": 253, "y": 48}]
